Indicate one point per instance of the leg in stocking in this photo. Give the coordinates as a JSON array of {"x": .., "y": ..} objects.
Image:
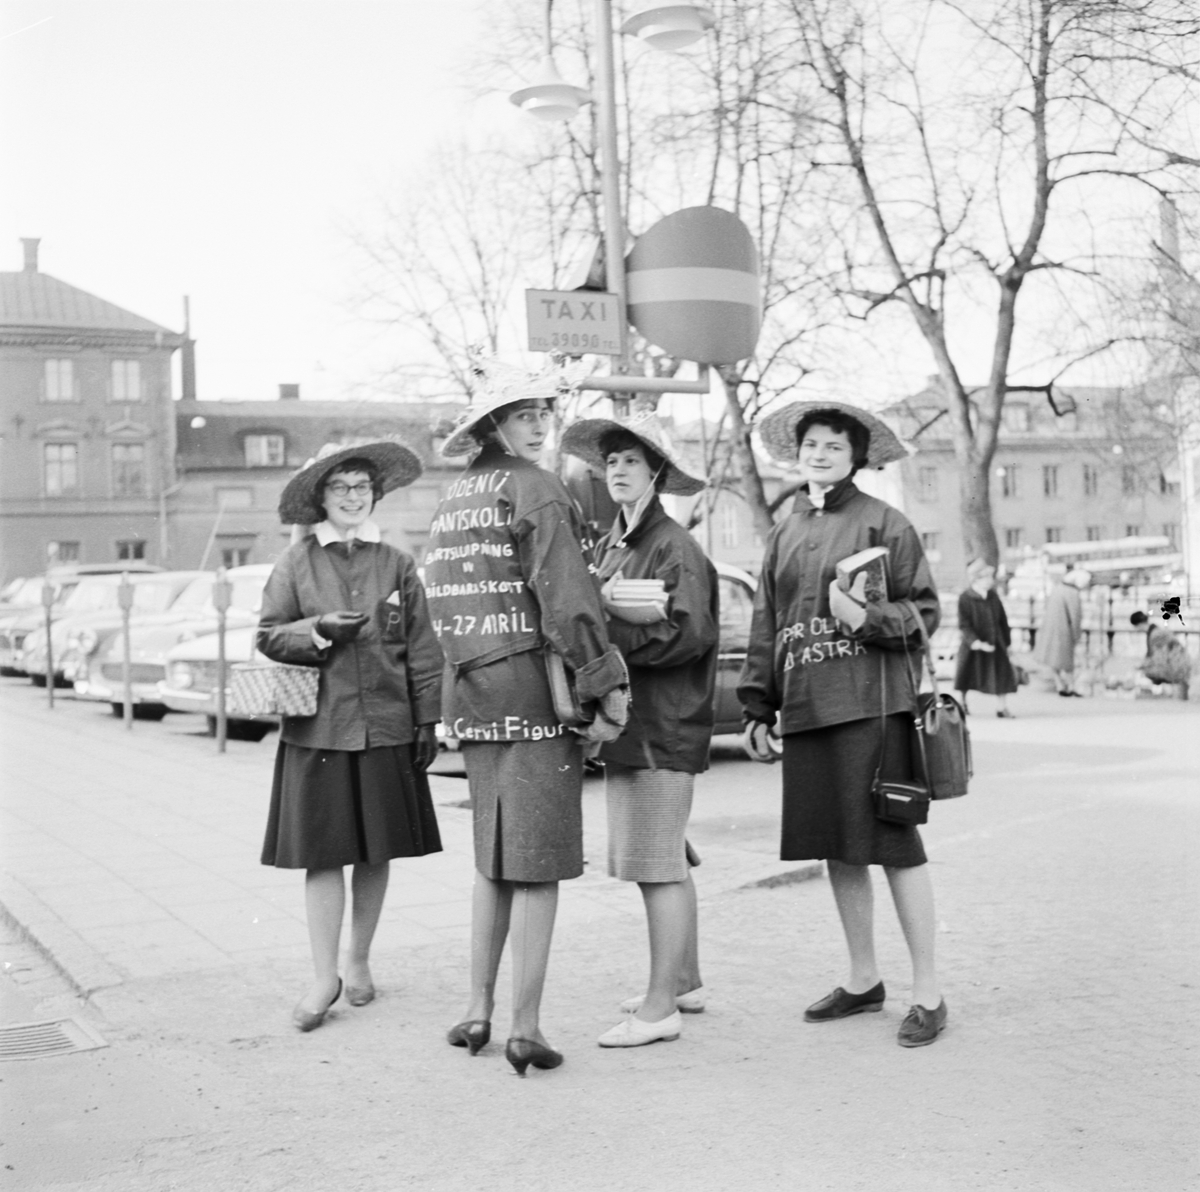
[
  {"x": 491, "y": 907},
  {"x": 855, "y": 898},
  {"x": 325, "y": 903},
  {"x": 533, "y": 909},
  {"x": 368, "y": 886},
  {"x": 912, "y": 892}
]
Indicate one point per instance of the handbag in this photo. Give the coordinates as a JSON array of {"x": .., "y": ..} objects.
[
  {"x": 905, "y": 803},
  {"x": 273, "y": 689},
  {"x": 940, "y": 727}
]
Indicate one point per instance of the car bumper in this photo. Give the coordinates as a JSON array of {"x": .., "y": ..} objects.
[
  {"x": 180, "y": 699},
  {"x": 110, "y": 693}
]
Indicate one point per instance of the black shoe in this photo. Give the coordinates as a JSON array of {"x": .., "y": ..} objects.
[
  {"x": 921, "y": 1026},
  {"x": 473, "y": 1035},
  {"x": 523, "y": 1052},
  {"x": 840, "y": 1004}
]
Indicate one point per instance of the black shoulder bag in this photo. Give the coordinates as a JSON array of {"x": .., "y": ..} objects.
[{"x": 905, "y": 803}]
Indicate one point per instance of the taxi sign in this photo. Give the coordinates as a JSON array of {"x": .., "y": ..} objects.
[{"x": 573, "y": 322}]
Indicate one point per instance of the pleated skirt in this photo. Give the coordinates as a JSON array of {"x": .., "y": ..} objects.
[
  {"x": 827, "y": 809},
  {"x": 647, "y": 820},
  {"x": 334, "y": 807},
  {"x": 527, "y": 807}
]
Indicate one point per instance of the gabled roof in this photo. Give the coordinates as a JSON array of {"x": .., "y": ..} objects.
[{"x": 33, "y": 299}]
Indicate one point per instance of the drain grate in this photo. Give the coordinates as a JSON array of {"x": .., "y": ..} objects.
[{"x": 55, "y": 1036}]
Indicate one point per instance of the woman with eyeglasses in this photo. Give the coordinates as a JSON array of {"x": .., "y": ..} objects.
[{"x": 350, "y": 785}]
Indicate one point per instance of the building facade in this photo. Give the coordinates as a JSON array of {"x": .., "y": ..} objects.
[{"x": 87, "y": 426}]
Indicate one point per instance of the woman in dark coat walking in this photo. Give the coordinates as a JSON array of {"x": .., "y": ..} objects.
[
  {"x": 983, "y": 663},
  {"x": 350, "y": 785},
  {"x": 670, "y": 647},
  {"x": 828, "y": 666}
]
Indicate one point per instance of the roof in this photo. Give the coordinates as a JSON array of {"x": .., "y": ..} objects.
[{"x": 33, "y": 299}]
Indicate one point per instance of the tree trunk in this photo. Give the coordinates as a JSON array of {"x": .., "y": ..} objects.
[
  {"x": 979, "y": 535},
  {"x": 739, "y": 437}
]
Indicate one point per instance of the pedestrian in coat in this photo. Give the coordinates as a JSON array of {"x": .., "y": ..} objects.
[
  {"x": 830, "y": 670},
  {"x": 983, "y": 662},
  {"x": 507, "y": 581},
  {"x": 670, "y": 648},
  {"x": 350, "y": 785},
  {"x": 1061, "y": 629}
]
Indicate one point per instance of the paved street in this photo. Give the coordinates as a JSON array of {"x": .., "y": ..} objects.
[{"x": 1067, "y": 903}]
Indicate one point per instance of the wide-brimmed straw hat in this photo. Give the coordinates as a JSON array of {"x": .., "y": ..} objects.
[
  {"x": 498, "y": 385},
  {"x": 778, "y": 431},
  {"x": 583, "y": 439},
  {"x": 398, "y": 465}
]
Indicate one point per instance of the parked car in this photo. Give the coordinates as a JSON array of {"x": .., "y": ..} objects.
[
  {"x": 17, "y": 622},
  {"x": 92, "y": 609},
  {"x": 101, "y": 676}
]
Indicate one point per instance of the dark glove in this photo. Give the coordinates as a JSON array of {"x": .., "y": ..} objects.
[
  {"x": 425, "y": 747},
  {"x": 341, "y": 627}
]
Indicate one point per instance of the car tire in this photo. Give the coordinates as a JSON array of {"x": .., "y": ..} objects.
[
  {"x": 118, "y": 710},
  {"x": 149, "y": 711},
  {"x": 38, "y": 680},
  {"x": 247, "y": 730}
]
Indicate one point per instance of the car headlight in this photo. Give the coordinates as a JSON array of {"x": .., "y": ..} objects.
[
  {"x": 179, "y": 674},
  {"x": 83, "y": 640}
]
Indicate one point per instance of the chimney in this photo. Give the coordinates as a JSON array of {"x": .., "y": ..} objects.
[
  {"x": 31, "y": 251},
  {"x": 187, "y": 356},
  {"x": 289, "y": 392}
]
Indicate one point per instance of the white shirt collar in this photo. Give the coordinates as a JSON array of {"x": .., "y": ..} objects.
[{"x": 367, "y": 532}]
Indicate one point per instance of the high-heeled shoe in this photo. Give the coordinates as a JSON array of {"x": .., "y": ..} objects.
[
  {"x": 523, "y": 1052},
  {"x": 305, "y": 1020},
  {"x": 360, "y": 995},
  {"x": 473, "y": 1034}
]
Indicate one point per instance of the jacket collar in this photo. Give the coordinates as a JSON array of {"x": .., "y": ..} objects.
[
  {"x": 835, "y": 497},
  {"x": 653, "y": 514},
  {"x": 367, "y": 532}
]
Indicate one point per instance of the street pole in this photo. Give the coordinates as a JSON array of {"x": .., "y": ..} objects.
[
  {"x": 221, "y": 594},
  {"x": 48, "y": 605},
  {"x": 125, "y": 603}
]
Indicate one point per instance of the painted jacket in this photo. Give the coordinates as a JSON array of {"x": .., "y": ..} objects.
[
  {"x": 672, "y": 664},
  {"x": 505, "y": 577},
  {"x": 801, "y": 661},
  {"x": 376, "y": 689}
]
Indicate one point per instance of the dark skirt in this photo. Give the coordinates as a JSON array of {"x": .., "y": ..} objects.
[
  {"x": 977, "y": 670},
  {"x": 827, "y": 811},
  {"x": 335, "y": 807},
  {"x": 526, "y": 800}
]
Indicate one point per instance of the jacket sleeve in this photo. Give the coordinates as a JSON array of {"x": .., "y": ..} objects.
[
  {"x": 1002, "y": 630},
  {"x": 283, "y": 634},
  {"x": 758, "y": 687},
  {"x": 425, "y": 659},
  {"x": 572, "y": 619},
  {"x": 689, "y": 631},
  {"x": 889, "y": 623},
  {"x": 966, "y": 620}
]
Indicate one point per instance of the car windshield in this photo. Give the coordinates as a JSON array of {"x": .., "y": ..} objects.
[
  {"x": 195, "y": 596},
  {"x": 90, "y": 597},
  {"x": 23, "y": 591},
  {"x": 150, "y": 597},
  {"x": 247, "y": 593}
]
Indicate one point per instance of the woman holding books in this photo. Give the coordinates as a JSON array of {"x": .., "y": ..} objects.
[
  {"x": 983, "y": 663},
  {"x": 670, "y": 646},
  {"x": 827, "y": 667}
]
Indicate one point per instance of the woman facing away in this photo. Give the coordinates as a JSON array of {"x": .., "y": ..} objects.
[
  {"x": 1061, "y": 629},
  {"x": 832, "y": 671},
  {"x": 506, "y": 581},
  {"x": 350, "y": 785},
  {"x": 671, "y": 652},
  {"x": 983, "y": 663}
]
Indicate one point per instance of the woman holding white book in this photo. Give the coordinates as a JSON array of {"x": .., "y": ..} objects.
[{"x": 826, "y": 668}]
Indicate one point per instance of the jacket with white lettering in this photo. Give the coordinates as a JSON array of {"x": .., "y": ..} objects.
[
  {"x": 801, "y": 661},
  {"x": 505, "y": 576}
]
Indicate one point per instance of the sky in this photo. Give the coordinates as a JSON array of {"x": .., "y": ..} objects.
[{"x": 220, "y": 149}]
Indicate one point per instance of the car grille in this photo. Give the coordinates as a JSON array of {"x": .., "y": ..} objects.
[
  {"x": 11, "y": 641},
  {"x": 139, "y": 672},
  {"x": 204, "y": 676}
]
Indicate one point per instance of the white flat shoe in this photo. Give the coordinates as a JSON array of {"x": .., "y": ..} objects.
[
  {"x": 691, "y": 1002},
  {"x": 633, "y": 1032}
]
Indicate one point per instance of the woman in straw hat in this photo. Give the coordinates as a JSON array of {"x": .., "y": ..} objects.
[
  {"x": 350, "y": 785},
  {"x": 671, "y": 651},
  {"x": 829, "y": 668},
  {"x": 507, "y": 582},
  {"x": 983, "y": 663}
]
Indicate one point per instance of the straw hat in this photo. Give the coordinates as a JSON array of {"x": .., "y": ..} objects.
[
  {"x": 397, "y": 465},
  {"x": 583, "y": 439},
  {"x": 499, "y": 385},
  {"x": 778, "y": 431}
]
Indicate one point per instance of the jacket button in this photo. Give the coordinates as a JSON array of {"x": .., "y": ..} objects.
[
  {"x": 354, "y": 593},
  {"x": 812, "y": 546}
]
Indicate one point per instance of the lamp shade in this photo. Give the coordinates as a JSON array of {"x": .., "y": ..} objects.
[
  {"x": 670, "y": 27},
  {"x": 550, "y": 98}
]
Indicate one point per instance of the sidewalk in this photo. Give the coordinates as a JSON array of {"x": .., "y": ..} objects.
[{"x": 1066, "y": 890}]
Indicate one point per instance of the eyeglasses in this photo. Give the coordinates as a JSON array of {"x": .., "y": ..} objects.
[{"x": 338, "y": 488}]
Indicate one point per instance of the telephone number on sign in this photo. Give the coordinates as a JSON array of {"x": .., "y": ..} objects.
[{"x": 581, "y": 342}]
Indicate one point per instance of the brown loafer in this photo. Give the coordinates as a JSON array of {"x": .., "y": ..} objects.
[
  {"x": 840, "y": 1004},
  {"x": 921, "y": 1026}
]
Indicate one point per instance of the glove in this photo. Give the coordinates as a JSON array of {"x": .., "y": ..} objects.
[
  {"x": 612, "y": 714},
  {"x": 341, "y": 627},
  {"x": 425, "y": 747},
  {"x": 760, "y": 741}
]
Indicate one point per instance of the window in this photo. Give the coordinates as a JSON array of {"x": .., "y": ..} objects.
[
  {"x": 264, "y": 451},
  {"x": 1016, "y": 417},
  {"x": 729, "y": 523},
  {"x": 1129, "y": 480},
  {"x": 62, "y": 552},
  {"x": 234, "y": 498},
  {"x": 1091, "y": 480},
  {"x": 931, "y": 545},
  {"x": 1168, "y": 488},
  {"x": 927, "y": 484},
  {"x": 1054, "y": 534},
  {"x": 1094, "y": 533},
  {"x": 1050, "y": 480},
  {"x": 235, "y": 556},
  {"x": 1067, "y": 423},
  {"x": 131, "y": 548},
  {"x": 126, "y": 380},
  {"x": 1008, "y": 480},
  {"x": 60, "y": 380},
  {"x": 129, "y": 469},
  {"x": 1132, "y": 531},
  {"x": 1171, "y": 531},
  {"x": 1012, "y": 537},
  {"x": 62, "y": 469}
]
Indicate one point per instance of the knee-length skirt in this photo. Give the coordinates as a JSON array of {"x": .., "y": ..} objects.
[
  {"x": 647, "y": 818},
  {"x": 334, "y": 807},
  {"x": 827, "y": 809},
  {"x": 526, "y": 801}
]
